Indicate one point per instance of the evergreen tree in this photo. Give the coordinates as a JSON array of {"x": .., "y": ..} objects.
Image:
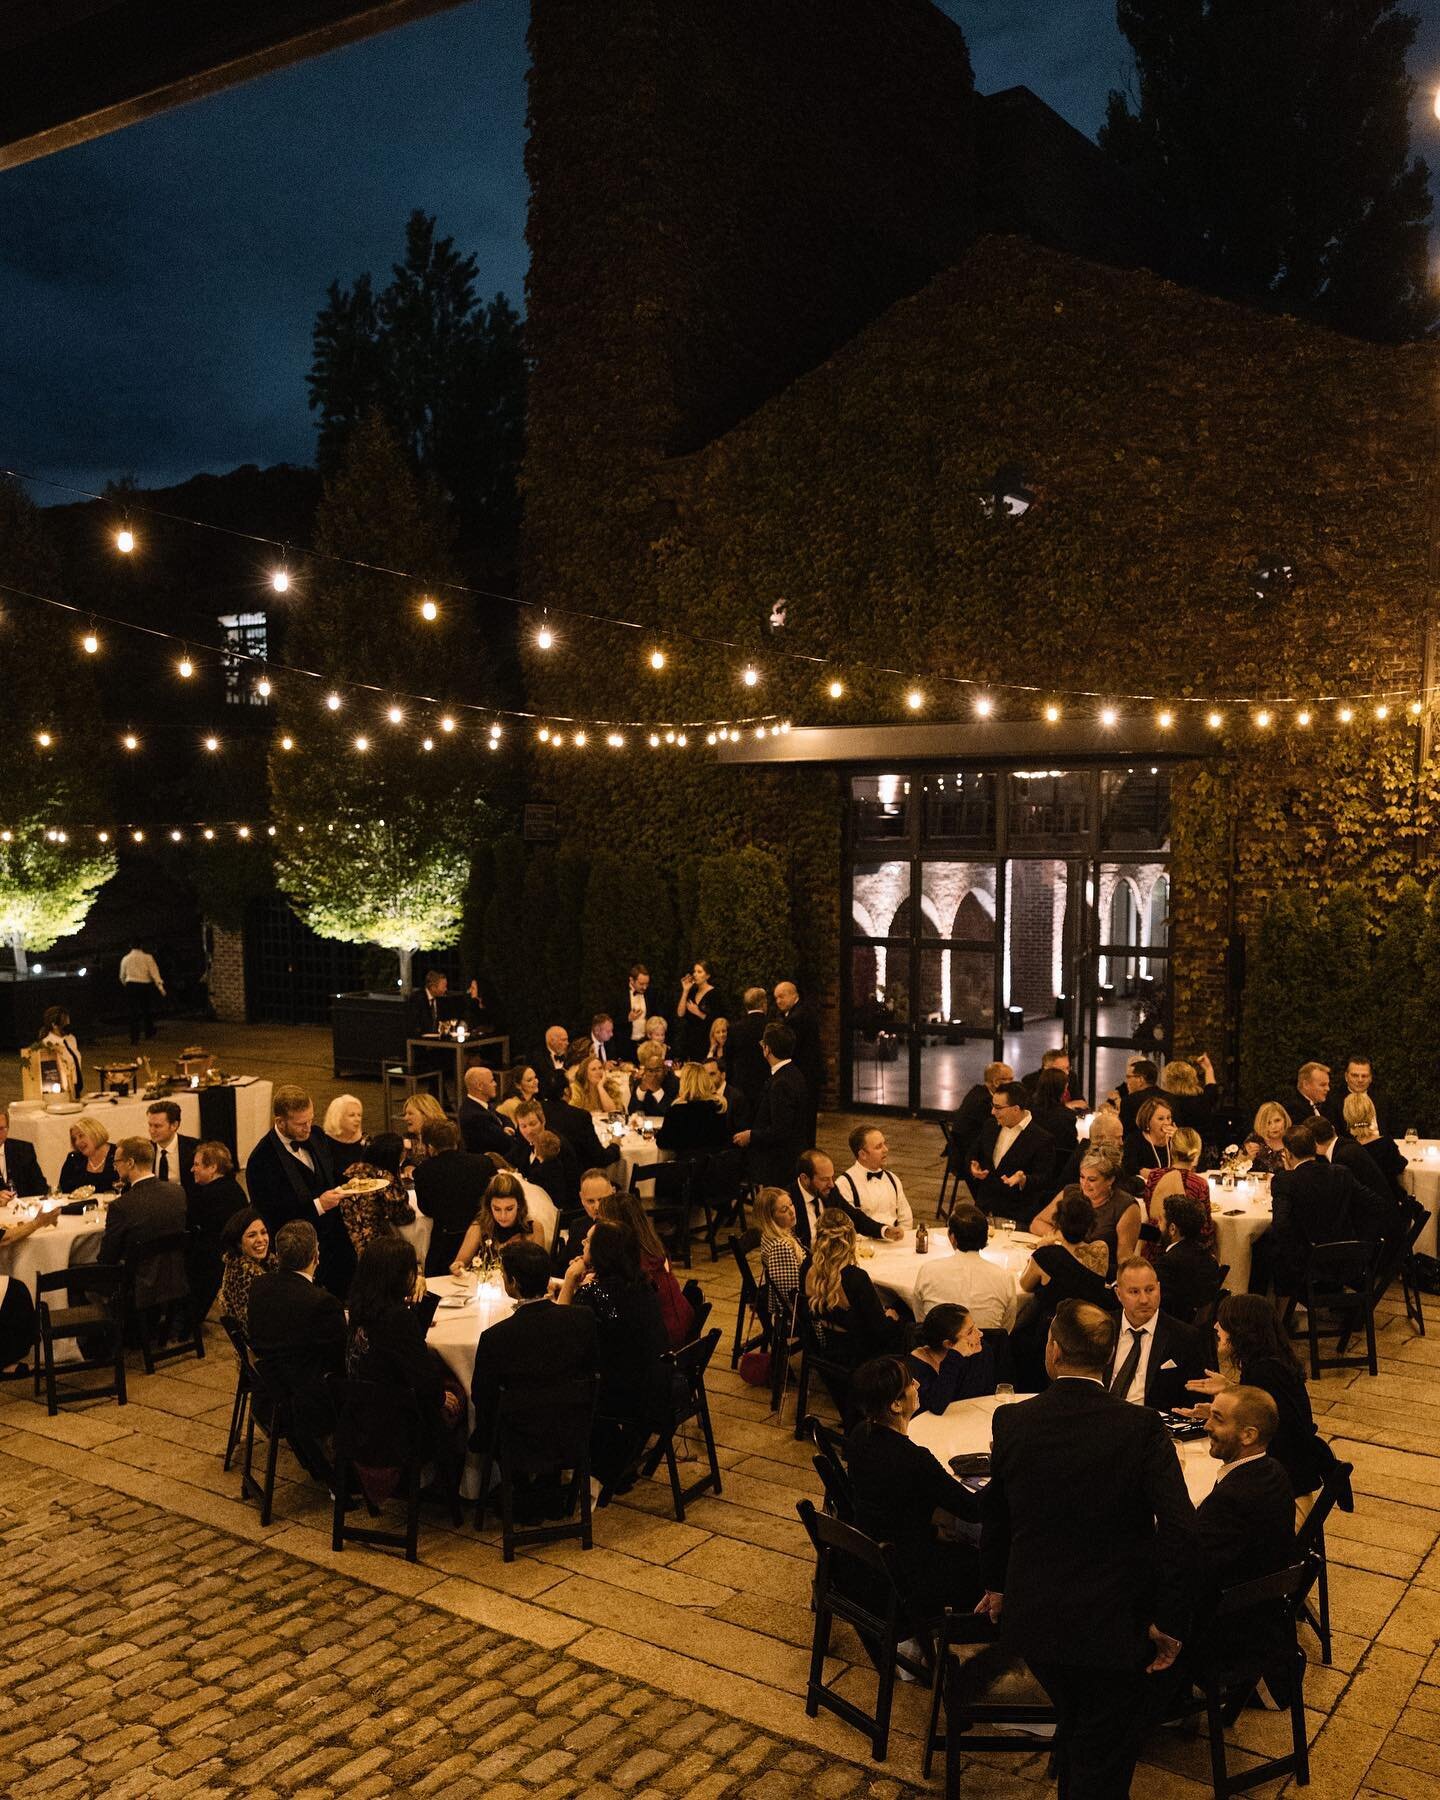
[
  {"x": 616, "y": 935},
  {"x": 1285, "y": 1002},
  {"x": 742, "y": 920},
  {"x": 1402, "y": 1041},
  {"x": 1276, "y": 137},
  {"x": 1346, "y": 984}
]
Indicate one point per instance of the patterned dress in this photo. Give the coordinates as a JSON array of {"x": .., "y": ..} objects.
[
  {"x": 367, "y": 1216},
  {"x": 241, "y": 1274}
]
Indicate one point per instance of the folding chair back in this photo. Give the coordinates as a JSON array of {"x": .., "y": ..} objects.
[
  {"x": 96, "y": 1322},
  {"x": 161, "y": 1266},
  {"x": 1339, "y": 1285},
  {"x": 751, "y": 1304},
  {"x": 377, "y": 1426},
  {"x": 541, "y": 1431}
]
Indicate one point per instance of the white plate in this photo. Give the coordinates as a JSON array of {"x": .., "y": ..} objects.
[{"x": 64, "y": 1106}]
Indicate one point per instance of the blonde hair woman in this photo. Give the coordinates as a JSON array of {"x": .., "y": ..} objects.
[
  {"x": 697, "y": 1082},
  {"x": 593, "y": 1090},
  {"x": 1364, "y": 1127},
  {"x": 1180, "y": 1078},
  {"x": 1271, "y": 1123},
  {"x": 781, "y": 1252},
  {"x": 719, "y": 1038},
  {"x": 696, "y": 1122},
  {"x": 1179, "y": 1178},
  {"x": 345, "y": 1119},
  {"x": 91, "y": 1162},
  {"x": 844, "y": 1311},
  {"x": 417, "y": 1111}
]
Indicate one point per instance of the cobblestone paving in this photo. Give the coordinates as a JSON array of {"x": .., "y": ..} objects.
[{"x": 150, "y": 1656}]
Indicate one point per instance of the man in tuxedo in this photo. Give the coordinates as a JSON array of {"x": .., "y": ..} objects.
[
  {"x": 450, "y": 1183},
  {"x": 559, "y": 1172},
  {"x": 1377, "y": 1213},
  {"x": 973, "y": 1115},
  {"x": 146, "y": 1209},
  {"x": 291, "y": 1174},
  {"x": 1097, "y": 1608},
  {"x": 1312, "y": 1090},
  {"x": 778, "y": 1135},
  {"x": 20, "y": 1175},
  {"x": 549, "y": 1064},
  {"x": 428, "y": 1005},
  {"x": 871, "y": 1187},
  {"x": 632, "y": 1013},
  {"x": 1012, "y": 1159},
  {"x": 813, "y": 1189},
  {"x": 297, "y": 1332},
  {"x": 1359, "y": 1079},
  {"x": 1311, "y": 1202},
  {"x": 1142, "y": 1083},
  {"x": 809, "y": 1058},
  {"x": 174, "y": 1152},
  {"x": 574, "y": 1226},
  {"x": 602, "y": 1040},
  {"x": 481, "y": 1126},
  {"x": 1155, "y": 1355},
  {"x": 1189, "y": 1274},
  {"x": 744, "y": 1061}
]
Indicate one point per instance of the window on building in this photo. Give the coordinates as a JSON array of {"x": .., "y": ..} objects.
[{"x": 247, "y": 637}]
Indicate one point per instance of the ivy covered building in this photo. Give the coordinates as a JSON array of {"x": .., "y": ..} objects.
[{"x": 800, "y": 304}]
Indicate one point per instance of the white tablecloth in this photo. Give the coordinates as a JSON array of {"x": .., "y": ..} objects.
[
  {"x": 1241, "y": 1214},
  {"x": 963, "y": 1429},
  {"x": 897, "y": 1267},
  {"x": 1422, "y": 1178},
  {"x": 73, "y": 1238},
  {"x": 639, "y": 1152},
  {"x": 50, "y": 1132}
]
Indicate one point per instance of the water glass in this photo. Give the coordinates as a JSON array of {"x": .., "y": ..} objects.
[
  {"x": 1412, "y": 1136},
  {"x": 1004, "y": 1392}
]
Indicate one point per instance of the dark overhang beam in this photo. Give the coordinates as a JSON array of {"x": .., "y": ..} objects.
[{"x": 1028, "y": 743}]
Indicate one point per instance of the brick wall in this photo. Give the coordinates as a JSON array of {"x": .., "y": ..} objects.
[{"x": 227, "y": 974}]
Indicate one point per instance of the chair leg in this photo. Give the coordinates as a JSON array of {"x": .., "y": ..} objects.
[
  {"x": 1312, "y": 1326},
  {"x": 802, "y": 1394},
  {"x": 121, "y": 1396},
  {"x": 884, "y": 1699},
  {"x": 145, "y": 1319},
  {"x": 953, "y": 1757},
  {"x": 52, "y": 1398},
  {"x": 703, "y": 1413},
  {"x": 1372, "y": 1359},
  {"x": 677, "y": 1495},
  {"x": 1322, "y": 1589},
  {"x": 1219, "y": 1768},
  {"x": 248, "y": 1488},
  {"x": 582, "y": 1481},
  {"x": 272, "y": 1453},
  {"x": 337, "y": 1513},
  {"x": 412, "y": 1512},
  {"x": 739, "y": 1339},
  {"x": 819, "y": 1644},
  {"x": 237, "y": 1423},
  {"x": 779, "y": 1364},
  {"x": 507, "y": 1513},
  {"x": 939, "y": 1696},
  {"x": 1299, "y": 1732},
  {"x": 41, "y": 1312},
  {"x": 487, "y": 1463}
]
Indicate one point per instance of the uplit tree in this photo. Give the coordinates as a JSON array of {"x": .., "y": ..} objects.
[
  {"x": 46, "y": 888},
  {"x": 1277, "y": 139}
]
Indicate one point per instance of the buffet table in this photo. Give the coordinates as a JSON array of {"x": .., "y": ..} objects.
[{"x": 236, "y": 1113}]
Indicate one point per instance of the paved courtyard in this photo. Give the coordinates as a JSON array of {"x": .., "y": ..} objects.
[{"x": 160, "y": 1642}]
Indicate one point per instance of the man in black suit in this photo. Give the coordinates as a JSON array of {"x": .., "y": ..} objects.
[
  {"x": 814, "y": 1189},
  {"x": 574, "y": 1227},
  {"x": 778, "y": 1135},
  {"x": 745, "y": 1065},
  {"x": 804, "y": 1028},
  {"x": 1012, "y": 1158},
  {"x": 145, "y": 1210},
  {"x": 450, "y": 1183},
  {"x": 482, "y": 1127},
  {"x": 174, "y": 1152},
  {"x": 1049, "y": 1059},
  {"x": 429, "y": 1004},
  {"x": 1099, "y": 1606},
  {"x": 1311, "y": 1202},
  {"x": 549, "y": 1063},
  {"x": 559, "y": 1172},
  {"x": 602, "y": 1041},
  {"x": 291, "y": 1174},
  {"x": 1359, "y": 1079},
  {"x": 1312, "y": 1090},
  {"x": 1155, "y": 1355},
  {"x": 1378, "y": 1215},
  {"x": 297, "y": 1331},
  {"x": 20, "y": 1174},
  {"x": 1142, "y": 1083},
  {"x": 1189, "y": 1274},
  {"x": 539, "y": 1345},
  {"x": 972, "y": 1115}
]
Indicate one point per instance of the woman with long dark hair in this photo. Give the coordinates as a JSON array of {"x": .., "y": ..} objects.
[
  {"x": 387, "y": 1339},
  {"x": 679, "y": 1316},
  {"x": 245, "y": 1255}
]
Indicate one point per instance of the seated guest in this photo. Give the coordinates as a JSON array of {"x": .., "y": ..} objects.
[
  {"x": 297, "y": 1331},
  {"x": 1012, "y": 1160},
  {"x": 215, "y": 1197},
  {"x": 1049, "y": 1111},
  {"x": 1115, "y": 1215},
  {"x": 1189, "y": 1274},
  {"x": 345, "y": 1121},
  {"x": 1379, "y": 1217},
  {"x": 521, "y": 1084},
  {"x": 372, "y": 1214},
  {"x": 739, "y": 1106},
  {"x": 1271, "y": 1123},
  {"x": 1057, "y": 1059},
  {"x": 1361, "y": 1123},
  {"x": 630, "y": 1348},
  {"x": 429, "y": 1006},
  {"x": 845, "y": 1314},
  {"x": 1179, "y": 1178},
  {"x": 601, "y": 1042},
  {"x": 1106, "y": 1133},
  {"x": 812, "y": 1190},
  {"x": 387, "y": 1344},
  {"x": 246, "y": 1255},
  {"x": 479, "y": 1007},
  {"x": 146, "y": 1209},
  {"x": 503, "y": 1218},
  {"x": 20, "y": 1176},
  {"x": 1255, "y": 1353},
  {"x": 1312, "y": 1090},
  {"x": 869, "y": 1186},
  {"x": 482, "y": 1126},
  {"x": 173, "y": 1150},
  {"x": 593, "y": 1090},
  {"x": 17, "y": 1308},
  {"x": 715, "y": 1050},
  {"x": 557, "y": 1168},
  {"x": 1359, "y": 1077},
  {"x": 540, "y": 1345},
  {"x": 699, "y": 1121},
  {"x": 966, "y": 1279},
  {"x": 449, "y": 1185},
  {"x": 91, "y": 1162},
  {"x": 550, "y": 1063},
  {"x": 1193, "y": 1093},
  {"x": 675, "y": 1310},
  {"x": 655, "y": 1087},
  {"x": 1142, "y": 1083},
  {"x": 1148, "y": 1145},
  {"x": 973, "y": 1115},
  {"x": 1311, "y": 1202},
  {"x": 951, "y": 1360},
  {"x": 656, "y": 1028},
  {"x": 1155, "y": 1355},
  {"x": 899, "y": 1487},
  {"x": 416, "y": 1113},
  {"x": 291, "y": 1174},
  {"x": 574, "y": 1226},
  {"x": 1245, "y": 1526},
  {"x": 781, "y": 1253},
  {"x": 1072, "y": 1266}
]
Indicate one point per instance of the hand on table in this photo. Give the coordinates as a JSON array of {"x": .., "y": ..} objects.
[
  {"x": 893, "y": 1233},
  {"x": 458, "y": 1268},
  {"x": 1166, "y": 1650}
]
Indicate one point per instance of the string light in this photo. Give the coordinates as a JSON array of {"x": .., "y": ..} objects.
[
  {"x": 657, "y": 660},
  {"x": 104, "y": 836},
  {"x": 1262, "y": 719},
  {"x": 125, "y": 540},
  {"x": 681, "y": 740},
  {"x": 395, "y": 715},
  {"x": 836, "y": 690},
  {"x": 8, "y": 837},
  {"x": 654, "y": 740},
  {"x": 208, "y": 835},
  {"x": 557, "y": 742},
  {"x": 44, "y": 739},
  {"x": 1303, "y": 716},
  {"x": 130, "y": 741},
  {"x": 1165, "y": 719},
  {"x": 427, "y": 743},
  {"x": 447, "y": 723},
  {"x": 1052, "y": 713},
  {"x": 269, "y": 831},
  {"x": 429, "y": 611},
  {"x": 579, "y": 740},
  {"x": 1416, "y": 708},
  {"x": 914, "y": 699},
  {"x": 710, "y": 737},
  {"x": 1345, "y": 715},
  {"x": 137, "y": 837},
  {"x": 670, "y": 735},
  {"x": 1382, "y": 712},
  {"x": 751, "y": 677},
  {"x": 244, "y": 831},
  {"x": 362, "y": 743},
  {"x": 616, "y": 742},
  {"x": 332, "y": 701},
  {"x": 90, "y": 643},
  {"x": 263, "y": 688},
  {"x": 984, "y": 706},
  {"x": 1214, "y": 720},
  {"x": 544, "y": 734},
  {"x": 287, "y": 743},
  {"x": 212, "y": 743},
  {"x": 174, "y": 837},
  {"x": 280, "y": 579},
  {"x": 185, "y": 668},
  {"x": 544, "y": 638},
  {"x": 1108, "y": 715}
]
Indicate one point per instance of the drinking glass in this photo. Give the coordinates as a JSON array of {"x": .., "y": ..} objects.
[
  {"x": 1005, "y": 1227},
  {"x": 1004, "y": 1392},
  {"x": 1412, "y": 1136}
]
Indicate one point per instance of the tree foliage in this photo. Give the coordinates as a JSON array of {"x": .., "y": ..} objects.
[
  {"x": 1277, "y": 138},
  {"x": 742, "y": 920}
]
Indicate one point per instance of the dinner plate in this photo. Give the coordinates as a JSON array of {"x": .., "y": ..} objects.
[
  {"x": 64, "y": 1106},
  {"x": 364, "y": 1184}
]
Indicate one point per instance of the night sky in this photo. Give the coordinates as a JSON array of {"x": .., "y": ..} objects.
[{"x": 158, "y": 286}]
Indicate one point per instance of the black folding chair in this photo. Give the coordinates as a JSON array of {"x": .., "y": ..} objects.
[
  {"x": 834, "y": 1373},
  {"x": 719, "y": 1188},
  {"x": 752, "y": 1302},
  {"x": 1335, "y": 1490},
  {"x": 165, "y": 1315},
  {"x": 952, "y": 1176},
  {"x": 671, "y": 1204},
  {"x": 273, "y": 1411},
  {"x": 541, "y": 1431},
  {"x": 687, "y": 1402},
  {"x": 98, "y": 1317},
  {"x": 378, "y": 1425},
  {"x": 1416, "y": 1219},
  {"x": 1339, "y": 1287},
  {"x": 965, "y": 1712},
  {"x": 233, "y": 1330}
]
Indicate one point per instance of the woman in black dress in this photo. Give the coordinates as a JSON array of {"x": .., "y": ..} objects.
[
  {"x": 387, "y": 1344},
  {"x": 698, "y": 1120},
  {"x": 839, "y": 1301},
  {"x": 91, "y": 1161},
  {"x": 951, "y": 1359},
  {"x": 699, "y": 1005}
]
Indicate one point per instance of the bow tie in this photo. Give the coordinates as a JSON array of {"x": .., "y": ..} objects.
[{"x": 874, "y": 1174}]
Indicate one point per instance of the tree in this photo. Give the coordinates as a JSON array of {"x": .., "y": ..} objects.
[
  {"x": 1346, "y": 984},
  {"x": 1276, "y": 137},
  {"x": 373, "y": 846},
  {"x": 1284, "y": 996},
  {"x": 616, "y": 934},
  {"x": 447, "y": 371},
  {"x": 742, "y": 920},
  {"x": 1403, "y": 1038}
]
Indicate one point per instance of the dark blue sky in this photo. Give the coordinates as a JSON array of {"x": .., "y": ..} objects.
[{"x": 157, "y": 287}]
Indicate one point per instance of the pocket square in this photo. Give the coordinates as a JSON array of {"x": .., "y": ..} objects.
[{"x": 1169, "y": 1363}]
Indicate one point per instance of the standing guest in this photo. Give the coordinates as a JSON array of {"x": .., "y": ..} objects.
[
  {"x": 845, "y": 1312},
  {"x": 601, "y": 1043},
  {"x": 804, "y": 1028},
  {"x": 291, "y": 1174},
  {"x": 1271, "y": 1123},
  {"x": 745, "y": 1064},
  {"x": 503, "y": 1218},
  {"x": 717, "y": 1050},
  {"x": 246, "y": 1255},
  {"x": 574, "y": 1227},
  {"x": 1115, "y": 1215},
  {"x": 482, "y": 1126},
  {"x": 549, "y": 1160},
  {"x": 698, "y": 1122},
  {"x": 986, "y": 1291},
  {"x": 550, "y": 1063},
  {"x": 899, "y": 1487},
  {"x": 91, "y": 1162},
  {"x": 540, "y": 1345},
  {"x": 57, "y": 1036},
  {"x": 1097, "y": 1607},
  {"x": 951, "y": 1360},
  {"x": 1052, "y": 1115},
  {"x": 1193, "y": 1093},
  {"x": 1179, "y": 1178},
  {"x": 630, "y": 1347},
  {"x": 429, "y": 1005},
  {"x": 1311, "y": 1203},
  {"x": 1312, "y": 1090},
  {"x": 344, "y": 1122},
  {"x": 869, "y": 1186},
  {"x": 655, "y": 1087},
  {"x": 387, "y": 1344},
  {"x": 1363, "y": 1126},
  {"x": 297, "y": 1331},
  {"x": 1142, "y": 1083},
  {"x": 380, "y": 1210},
  {"x": 140, "y": 978},
  {"x": 1189, "y": 1274},
  {"x": 1255, "y": 1352},
  {"x": 449, "y": 1184},
  {"x": 973, "y": 1115},
  {"x": 676, "y": 1311},
  {"x": 696, "y": 1009},
  {"x": 777, "y": 1137},
  {"x": 521, "y": 1084},
  {"x": 1155, "y": 1355},
  {"x": 145, "y": 1209},
  {"x": 1012, "y": 1158},
  {"x": 1148, "y": 1145},
  {"x": 1359, "y": 1080},
  {"x": 174, "y": 1152},
  {"x": 781, "y": 1254},
  {"x": 635, "y": 1010},
  {"x": 215, "y": 1196}
]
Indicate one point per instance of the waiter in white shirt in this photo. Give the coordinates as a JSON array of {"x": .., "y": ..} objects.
[
  {"x": 140, "y": 978},
  {"x": 872, "y": 1188}
]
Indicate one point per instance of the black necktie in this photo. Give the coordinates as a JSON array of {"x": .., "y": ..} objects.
[
  {"x": 164, "y": 1170},
  {"x": 1125, "y": 1374}
]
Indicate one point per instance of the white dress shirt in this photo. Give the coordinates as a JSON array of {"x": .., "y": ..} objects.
[
  {"x": 1239, "y": 1462},
  {"x": 1136, "y": 1392},
  {"x": 1005, "y": 1138},
  {"x": 985, "y": 1290},
  {"x": 813, "y": 1205},
  {"x": 637, "y": 1016},
  {"x": 877, "y": 1193},
  {"x": 140, "y": 965}
]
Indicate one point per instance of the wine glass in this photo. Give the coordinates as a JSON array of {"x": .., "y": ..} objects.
[{"x": 1004, "y": 1392}]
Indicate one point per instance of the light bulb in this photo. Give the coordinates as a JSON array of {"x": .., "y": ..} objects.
[
  {"x": 429, "y": 610},
  {"x": 263, "y": 688},
  {"x": 1382, "y": 711},
  {"x": 244, "y": 831},
  {"x": 669, "y": 737},
  {"x": 138, "y": 836},
  {"x": 1303, "y": 716},
  {"x": 751, "y": 677},
  {"x": 394, "y": 715},
  {"x": 984, "y": 706},
  {"x": 280, "y": 580},
  {"x": 682, "y": 740},
  {"x": 44, "y": 739},
  {"x": 124, "y": 540},
  {"x": 1345, "y": 715},
  {"x": 654, "y": 740},
  {"x": 269, "y": 831},
  {"x": 1052, "y": 714},
  {"x": 615, "y": 741},
  {"x": 130, "y": 741},
  {"x": 8, "y": 837},
  {"x": 447, "y": 723},
  {"x": 558, "y": 741},
  {"x": 544, "y": 734},
  {"x": 1165, "y": 720},
  {"x": 759, "y": 731},
  {"x": 208, "y": 835},
  {"x": 90, "y": 642},
  {"x": 104, "y": 836},
  {"x": 836, "y": 690},
  {"x": 427, "y": 743},
  {"x": 362, "y": 742},
  {"x": 332, "y": 701},
  {"x": 287, "y": 743},
  {"x": 914, "y": 699},
  {"x": 709, "y": 737},
  {"x": 1108, "y": 715},
  {"x": 544, "y": 638},
  {"x": 174, "y": 837},
  {"x": 1214, "y": 720},
  {"x": 1415, "y": 709},
  {"x": 657, "y": 659},
  {"x": 212, "y": 743},
  {"x": 185, "y": 668},
  {"x": 579, "y": 740},
  {"x": 1262, "y": 718}
]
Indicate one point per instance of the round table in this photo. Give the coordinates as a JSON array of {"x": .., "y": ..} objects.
[
  {"x": 455, "y": 1334},
  {"x": 1422, "y": 1179},
  {"x": 896, "y": 1267},
  {"x": 963, "y": 1429},
  {"x": 73, "y": 1238},
  {"x": 636, "y": 1151},
  {"x": 1241, "y": 1214}
]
